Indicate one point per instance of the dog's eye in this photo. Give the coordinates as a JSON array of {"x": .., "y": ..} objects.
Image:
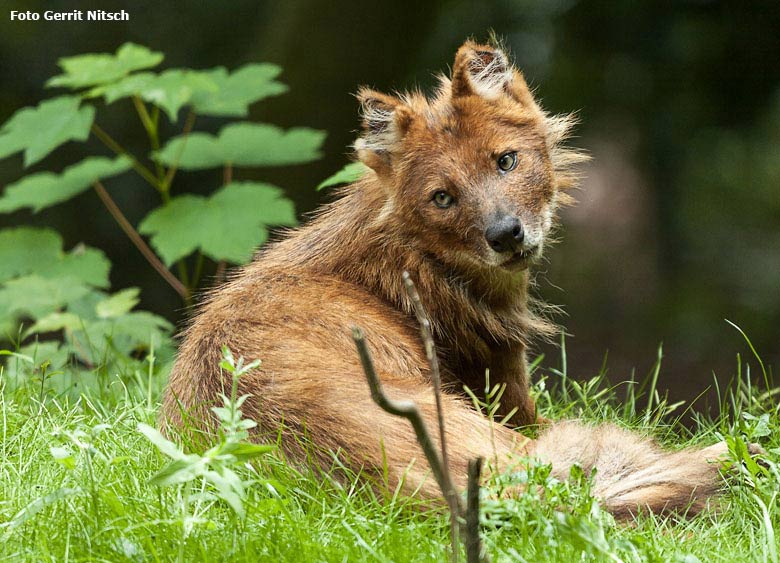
[
  {"x": 443, "y": 199},
  {"x": 507, "y": 161}
]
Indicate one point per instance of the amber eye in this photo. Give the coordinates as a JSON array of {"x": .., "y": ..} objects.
[
  {"x": 443, "y": 199},
  {"x": 507, "y": 161}
]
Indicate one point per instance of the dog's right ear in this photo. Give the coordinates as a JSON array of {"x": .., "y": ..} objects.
[{"x": 386, "y": 119}]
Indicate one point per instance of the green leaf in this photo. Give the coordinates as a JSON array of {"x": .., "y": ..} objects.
[
  {"x": 169, "y": 90},
  {"x": 17, "y": 355},
  {"x": 55, "y": 321},
  {"x": 246, "y": 451},
  {"x": 350, "y": 173},
  {"x": 38, "y": 131},
  {"x": 124, "y": 334},
  {"x": 24, "y": 250},
  {"x": 118, "y": 304},
  {"x": 244, "y": 144},
  {"x": 229, "y": 488},
  {"x": 87, "y": 264},
  {"x": 63, "y": 456},
  {"x": 50, "y": 351},
  {"x": 179, "y": 471},
  {"x": 45, "y": 189},
  {"x": 245, "y": 86},
  {"x": 39, "y": 504},
  {"x": 162, "y": 443},
  {"x": 102, "y": 68},
  {"x": 85, "y": 307},
  {"x": 229, "y": 225},
  {"x": 176, "y": 227},
  {"x": 39, "y": 352},
  {"x": 141, "y": 327},
  {"x": 37, "y": 296}
]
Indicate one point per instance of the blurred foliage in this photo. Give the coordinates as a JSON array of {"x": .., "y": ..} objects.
[
  {"x": 55, "y": 305},
  {"x": 679, "y": 222}
]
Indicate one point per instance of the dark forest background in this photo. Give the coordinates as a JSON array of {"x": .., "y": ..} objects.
[{"x": 678, "y": 222}]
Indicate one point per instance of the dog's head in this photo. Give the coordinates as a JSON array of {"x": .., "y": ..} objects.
[{"x": 475, "y": 174}]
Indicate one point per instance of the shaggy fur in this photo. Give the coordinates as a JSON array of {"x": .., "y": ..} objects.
[{"x": 293, "y": 307}]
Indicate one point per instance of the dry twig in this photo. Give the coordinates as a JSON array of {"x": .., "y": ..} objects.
[
  {"x": 471, "y": 530},
  {"x": 450, "y": 494},
  {"x": 466, "y": 519},
  {"x": 405, "y": 409},
  {"x": 139, "y": 243}
]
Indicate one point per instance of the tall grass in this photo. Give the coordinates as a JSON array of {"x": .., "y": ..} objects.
[{"x": 78, "y": 483}]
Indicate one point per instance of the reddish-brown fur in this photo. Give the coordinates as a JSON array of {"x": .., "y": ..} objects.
[{"x": 293, "y": 307}]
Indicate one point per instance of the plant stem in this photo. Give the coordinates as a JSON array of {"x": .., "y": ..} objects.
[
  {"x": 139, "y": 243},
  {"x": 471, "y": 529},
  {"x": 219, "y": 275},
  {"x": 185, "y": 510},
  {"x": 198, "y": 271},
  {"x": 188, "y": 125},
  {"x": 150, "y": 358},
  {"x": 408, "y": 410},
  {"x": 93, "y": 487},
  {"x": 181, "y": 265},
  {"x": 150, "y": 124},
  {"x": 164, "y": 179},
  {"x": 43, "y": 383},
  {"x": 107, "y": 140},
  {"x": 433, "y": 361},
  {"x": 227, "y": 174}
]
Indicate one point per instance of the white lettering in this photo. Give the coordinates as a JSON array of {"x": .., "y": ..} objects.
[
  {"x": 102, "y": 15},
  {"x": 24, "y": 16},
  {"x": 74, "y": 16}
]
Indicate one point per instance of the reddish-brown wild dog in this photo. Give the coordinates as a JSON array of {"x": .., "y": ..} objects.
[{"x": 462, "y": 192}]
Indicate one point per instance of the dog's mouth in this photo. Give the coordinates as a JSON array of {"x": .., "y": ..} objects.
[{"x": 521, "y": 259}]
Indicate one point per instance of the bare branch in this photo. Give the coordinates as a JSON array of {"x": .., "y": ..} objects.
[
  {"x": 189, "y": 123},
  {"x": 466, "y": 521},
  {"x": 471, "y": 529},
  {"x": 433, "y": 361},
  {"x": 109, "y": 141},
  {"x": 430, "y": 353},
  {"x": 227, "y": 174},
  {"x": 405, "y": 409},
  {"x": 139, "y": 243}
]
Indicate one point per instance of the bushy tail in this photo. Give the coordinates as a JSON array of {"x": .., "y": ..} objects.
[{"x": 633, "y": 473}]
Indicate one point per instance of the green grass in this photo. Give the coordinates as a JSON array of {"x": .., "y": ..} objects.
[{"x": 75, "y": 486}]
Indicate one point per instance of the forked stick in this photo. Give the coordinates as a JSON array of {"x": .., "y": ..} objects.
[
  {"x": 407, "y": 410},
  {"x": 468, "y": 517},
  {"x": 433, "y": 361}
]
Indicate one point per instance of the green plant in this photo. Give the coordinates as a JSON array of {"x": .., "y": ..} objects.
[
  {"x": 66, "y": 292},
  {"x": 215, "y": 472},
  {"x": 76, "y": 325},
  {"x": 77, "y": 477}
]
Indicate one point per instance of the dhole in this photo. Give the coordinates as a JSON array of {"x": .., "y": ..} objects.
[{"x": 462, "y": 193}]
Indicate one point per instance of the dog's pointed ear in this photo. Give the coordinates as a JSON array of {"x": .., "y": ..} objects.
[
  {"x": 485, "y": 71},
  {"x": 385, "y": 120}
]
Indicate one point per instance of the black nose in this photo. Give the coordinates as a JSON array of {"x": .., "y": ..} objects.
[{"x": 505, "y": 235}]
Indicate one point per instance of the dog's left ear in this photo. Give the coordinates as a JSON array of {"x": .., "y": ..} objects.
[{"x": 485, "y": 71}]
